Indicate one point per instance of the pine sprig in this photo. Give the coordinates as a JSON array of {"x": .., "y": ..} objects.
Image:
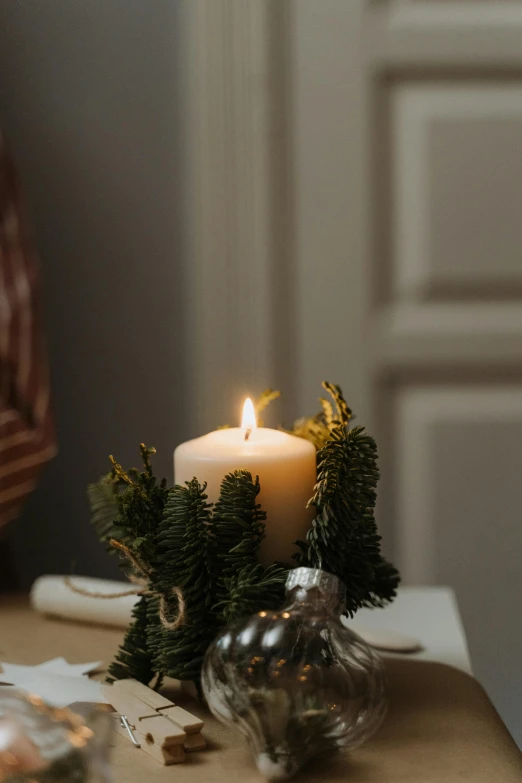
[
  {"x": 343, "y": 538},
  {"x": 250, "y": 589},
  {"x": 134, "y": 658},
  {"x": 140, "y": 506},
  {"x": 239, "y": 528},
  {"x": 185, "y": 548},
  {"x": 103, "y": 500},
  {"x": 184, "y": 539},
  {"x": 140, "y": 501},
  {"x": 238, "y": 524}
]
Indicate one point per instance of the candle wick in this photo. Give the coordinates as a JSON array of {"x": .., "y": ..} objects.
[{"x": 248, "y": 432}]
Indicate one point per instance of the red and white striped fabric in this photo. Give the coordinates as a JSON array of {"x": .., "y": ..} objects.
[{"x": 26, "y": 427}]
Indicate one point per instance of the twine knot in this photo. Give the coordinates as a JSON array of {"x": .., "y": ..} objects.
[{"x": 142, "y": 588}]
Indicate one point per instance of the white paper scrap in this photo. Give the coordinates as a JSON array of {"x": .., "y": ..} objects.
[
  {"x": 61, "y": 666},
  {"x": 56, "y": 681}
]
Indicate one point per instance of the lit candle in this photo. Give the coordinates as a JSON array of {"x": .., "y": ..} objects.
[{"x": 284, "y": 463}]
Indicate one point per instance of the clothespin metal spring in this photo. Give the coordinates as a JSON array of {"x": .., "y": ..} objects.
[{"x": 126, "y": 725}]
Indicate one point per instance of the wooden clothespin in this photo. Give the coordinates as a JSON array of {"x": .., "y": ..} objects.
[
  {"x": 185, "y": 720},
  {"x": 157, "y": 736},
  {"x": 163, "y": 730}
]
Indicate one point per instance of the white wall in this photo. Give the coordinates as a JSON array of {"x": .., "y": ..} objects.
[{"x": 91, "y": 105}]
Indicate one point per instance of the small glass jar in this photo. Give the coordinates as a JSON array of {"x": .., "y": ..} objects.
[{"x": 296, "y": 682}]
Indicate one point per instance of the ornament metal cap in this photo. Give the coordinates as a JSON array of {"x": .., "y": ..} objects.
[{"x": 309, "y": 578}]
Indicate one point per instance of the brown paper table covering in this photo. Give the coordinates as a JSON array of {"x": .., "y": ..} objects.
[{"x": 440, "y": 728}]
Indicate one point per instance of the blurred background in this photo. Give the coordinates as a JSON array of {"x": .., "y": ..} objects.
[{"x": 234, "y": 194}]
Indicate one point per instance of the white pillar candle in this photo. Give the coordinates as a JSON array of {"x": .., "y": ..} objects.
[{"x": 286, "y": 467}]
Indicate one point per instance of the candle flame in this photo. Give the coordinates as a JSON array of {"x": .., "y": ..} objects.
[{"x": 248, "y": 421}]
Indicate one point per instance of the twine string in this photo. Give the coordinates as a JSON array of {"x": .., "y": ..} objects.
[
  {"x": 172, "y": 625},
  {"x": 136, "y": 562},
  {"x": 95, "y": 594},
  {"x": 142, "y": 588}
]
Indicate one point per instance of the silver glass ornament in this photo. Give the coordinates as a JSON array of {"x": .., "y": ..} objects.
[{"x": 296, "y": 682}]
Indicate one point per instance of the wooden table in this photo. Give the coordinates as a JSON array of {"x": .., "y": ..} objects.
[{"x": 440, "y": 728}]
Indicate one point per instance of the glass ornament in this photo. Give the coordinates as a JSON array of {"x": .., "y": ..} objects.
[
  {"x": 44, "y": 744},
  {"x": 296, "y": 682}
]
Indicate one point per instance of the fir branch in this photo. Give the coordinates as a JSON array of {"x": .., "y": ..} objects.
[
  {"x": 242, "y": 584},
  {"x": 238, "y": 524},
  {"x": 343, "y": 538},
  {"x": 184, "y": 559},
  {"x": 184, "y": 538},
  {"x": 103, "y": 500},
  {"x": 251, "y": 588},
  {"x": 134, "y": 658},
  {"x": 140, "y": 506}
]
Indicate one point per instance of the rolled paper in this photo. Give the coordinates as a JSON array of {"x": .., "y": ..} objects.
[{"x": 56, "y": 596}]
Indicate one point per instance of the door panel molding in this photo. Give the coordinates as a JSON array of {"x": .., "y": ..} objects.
[
  {"x": 418, "y": 411},
  {"x": 419, "y": 112},
  {"x": 454, "y": 13}
]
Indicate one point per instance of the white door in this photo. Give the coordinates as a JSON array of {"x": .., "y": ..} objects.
[
  {"x": 408, "y": 161},
  {"x": 357, "y": 216}
]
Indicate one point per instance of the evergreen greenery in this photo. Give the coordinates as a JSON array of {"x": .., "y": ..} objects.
[
  {"x": 141, "y": 501},
  {"x": 175, "y": 538},
  {"x": 134, "y": 658},
  {"x": 185, "y": 546},
  {"x": 103, "y": 499},
  {"x": 238, "y": 525},
  {"x": 343, "y": 538},
  {"x": 242, "y": 584},
  {"x": 250, "y": 589}
]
